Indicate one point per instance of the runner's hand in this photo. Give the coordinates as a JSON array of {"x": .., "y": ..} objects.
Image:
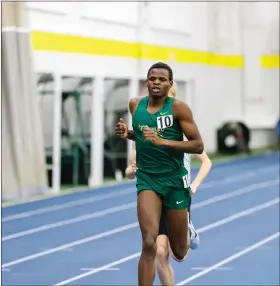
[
  {"x": 134, "y": 167},
  {"x": 151, "y": 135},
  {"x": 193, "y": 188},
  {"x": 130, "y": 171},
  {"x": 121, "y": 129}
]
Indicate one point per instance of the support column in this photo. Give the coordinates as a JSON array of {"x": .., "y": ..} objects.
[{"x": 97, "y": 134}]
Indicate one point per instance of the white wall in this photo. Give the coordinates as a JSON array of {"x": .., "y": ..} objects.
[
  {"x": 260, "y": 36},
  {"x": 225, "y": 28}
]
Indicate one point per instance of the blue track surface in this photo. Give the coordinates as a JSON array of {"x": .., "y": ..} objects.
[{"x": 92, "y": 237}]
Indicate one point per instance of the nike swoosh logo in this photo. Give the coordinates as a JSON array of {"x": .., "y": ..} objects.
[
  {"x": 163, "y": 113},
  {"x": 178, "y": 202}
]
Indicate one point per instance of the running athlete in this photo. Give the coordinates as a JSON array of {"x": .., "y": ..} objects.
[
  {"x": 164, "y": 269},
  {"x": 159, "y": 123}
]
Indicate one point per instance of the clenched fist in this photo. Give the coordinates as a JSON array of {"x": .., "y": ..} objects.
[{"x": 121, "y": 129}]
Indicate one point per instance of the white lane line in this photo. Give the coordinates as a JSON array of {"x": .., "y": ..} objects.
[
  {"x": 230, "y": 258},
  {"x": 71, "y": 244},
  {"x": 203, "y": 268},
  {"x": 69, "y": 221},
  {"x": 75, "y": 243},
  {"x": 109, "y": 269},
  {"x": 200, "y": 230},
  {"x": 126, "y": 191},
  {"x": 71, "y": 195},
  {"x": 105, "y": 212},
  {"x": 71, "y": 204}
]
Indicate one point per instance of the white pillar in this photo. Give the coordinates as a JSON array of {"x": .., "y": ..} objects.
[
  {"x": 142, "y": 34},
  {"x": 56, "y": 155},
  {"x": 97, "y": 133},
  {"x": 133, "y": 92},
  {"x": 253, "y": 33}
]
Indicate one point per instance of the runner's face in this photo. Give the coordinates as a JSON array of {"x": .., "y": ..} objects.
[{"x": 158, "y": 83}]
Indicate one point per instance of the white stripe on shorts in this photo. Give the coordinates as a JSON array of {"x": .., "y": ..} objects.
[{"x": 187, "y": 164}]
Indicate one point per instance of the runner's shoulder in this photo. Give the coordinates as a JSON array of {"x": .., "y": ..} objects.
[
  {"x": 133, "y": 103},
  {"x": 181, "y": 108}
]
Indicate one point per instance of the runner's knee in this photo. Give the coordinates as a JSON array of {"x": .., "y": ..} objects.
[
  {"x": 149, "y": 246},
  {"x": 162, "y": 254},
  {"x": 179, "y": 253}
]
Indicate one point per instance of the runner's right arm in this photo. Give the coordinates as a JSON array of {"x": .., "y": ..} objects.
[{"x": 121, "y": 127}]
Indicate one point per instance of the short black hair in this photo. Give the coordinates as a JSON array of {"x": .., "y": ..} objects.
[{"x": 161, "y": 65}]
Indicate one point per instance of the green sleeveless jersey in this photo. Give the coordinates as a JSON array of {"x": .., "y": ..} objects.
[{"x": 157, "y": 159}]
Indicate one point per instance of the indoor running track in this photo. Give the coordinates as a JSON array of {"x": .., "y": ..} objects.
[{"x": 92, "y": 237}]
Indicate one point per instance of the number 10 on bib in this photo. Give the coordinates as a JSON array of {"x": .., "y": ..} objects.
[{"x": 164, "y": 121}]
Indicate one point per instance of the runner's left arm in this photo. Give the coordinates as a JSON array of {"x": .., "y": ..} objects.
[
  {"x": 194, "y": 145},
  {"x": 204, "y": 169},
  {"x": 130, "y": 170}
]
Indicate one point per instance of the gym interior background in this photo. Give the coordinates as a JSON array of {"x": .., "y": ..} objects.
[{"x": 69, "y": 69}]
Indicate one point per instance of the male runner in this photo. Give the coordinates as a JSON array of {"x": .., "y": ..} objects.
[
  {"x": 164, "y": 269},
  {"x": 159, "y": 123}
]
